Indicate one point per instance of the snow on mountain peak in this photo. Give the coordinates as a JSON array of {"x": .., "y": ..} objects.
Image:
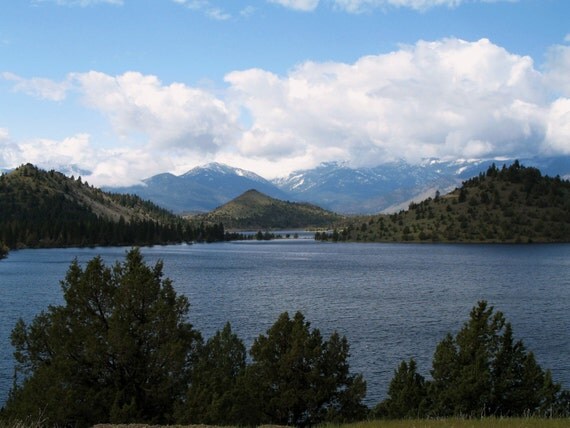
[{"x": 223, "y": 169}]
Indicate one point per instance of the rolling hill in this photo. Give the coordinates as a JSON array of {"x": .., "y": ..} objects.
[
  {"x": 509, "y": 205},
  {"x": 255, "y": 210},
  {"x": 48, "y": 209}
]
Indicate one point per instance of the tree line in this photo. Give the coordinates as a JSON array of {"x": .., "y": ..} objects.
[
  {"x": 514, "y": 204},
  {"x": 120, "y": 350}
]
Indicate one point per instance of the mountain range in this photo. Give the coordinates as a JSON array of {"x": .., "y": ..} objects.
[
  {"x": 201, "y": 189},
  {"x": 334, "y": 186}
]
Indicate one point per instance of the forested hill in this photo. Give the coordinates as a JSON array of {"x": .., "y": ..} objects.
[
  {"x": 48, "y": 209},
  {"x": 512, "y": 204},
  {"x": 255, "y": 210}
]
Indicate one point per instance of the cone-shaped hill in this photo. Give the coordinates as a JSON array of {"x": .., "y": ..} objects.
[{"x": 255, "y": 210}]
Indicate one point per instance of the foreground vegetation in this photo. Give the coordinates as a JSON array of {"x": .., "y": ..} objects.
[
  {"x": 461, "y": 423},
  {"x": 513, "y": 204},
  {"x": 120, "y": 350}
]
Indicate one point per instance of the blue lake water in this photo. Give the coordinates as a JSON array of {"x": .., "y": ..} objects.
[{"x": 392, "y": 301}]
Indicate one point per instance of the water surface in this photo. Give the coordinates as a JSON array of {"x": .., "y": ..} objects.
[{"x": 392, "y": 301}]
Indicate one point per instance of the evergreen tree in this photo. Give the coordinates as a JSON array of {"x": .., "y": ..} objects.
[
  {"x": 119, "y": 349},
  {"x": 3, "y": 250},
  {"x": 407, "y": 394},
  {"x": 481, "y": 371},
  {"x": 301, "y": 379},
  {"x": 212, "y": 397}
]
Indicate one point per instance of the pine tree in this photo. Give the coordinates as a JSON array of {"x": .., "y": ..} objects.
[
  {"x": 301, "y": 379},
  {"x": 407, "y": 394},
  {"x": 119, "y": 349},
  {"x": 212, "y": 395}
]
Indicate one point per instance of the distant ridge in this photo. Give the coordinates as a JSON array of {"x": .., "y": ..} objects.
[
  {"x": 254, "y": 210},
  {"x": 334, "y": 186},
  {"x": 514, "y": 204},
  {"x": 201, "y": 189},
  {"x": 47, "y": 209}
]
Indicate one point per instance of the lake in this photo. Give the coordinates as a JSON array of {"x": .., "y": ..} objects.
[{"x": 392, "y": 301}]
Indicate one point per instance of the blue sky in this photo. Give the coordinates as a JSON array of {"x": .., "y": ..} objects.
[{"x": 130, "y": 88}]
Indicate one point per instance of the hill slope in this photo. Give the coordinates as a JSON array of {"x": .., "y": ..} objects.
[
  {"x": 254, "y": 210},
  {"x": 48, "y": 209},
  {"x": 514, "y": 204}
]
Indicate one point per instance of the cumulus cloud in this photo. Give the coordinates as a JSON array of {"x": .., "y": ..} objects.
[
  {"x": 39, "y": 87},
  {"x": 447, "y": 99},
  {"x": 172, "y": 116},
  {"x": 9, "y": 151},
  {"x": 557, "y": 69},
  {"x": 101, "y": 167}
]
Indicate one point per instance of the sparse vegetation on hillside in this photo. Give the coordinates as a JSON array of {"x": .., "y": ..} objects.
[
  {"x": 47, "y": 209},
  {"x": 510, "y": 205},
  {"x": 254, "y": 210}
]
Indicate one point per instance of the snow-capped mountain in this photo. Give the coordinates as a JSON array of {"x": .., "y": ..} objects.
[
  {"x": 392, "y": 186},
  {"x": 201, "y": 189},
  {"x": 333, "y": 186}
]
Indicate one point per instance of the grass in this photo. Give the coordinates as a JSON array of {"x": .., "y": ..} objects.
[
  {"x": 411, "y": 423},
  {"x": 462, "y": 423}
]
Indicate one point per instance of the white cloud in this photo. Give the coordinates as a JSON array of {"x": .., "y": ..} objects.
[
  {"x": 302, "y": 5},
  {"x": 39, "y": 87},
  {"x": 558, "y": 69},
  {"x": 558, "y": 127},
  {"x": 358, "y": 6},
  {"x": 449, "y": 98},
  {"x": 206, "y": 7},
  {"x": 171, "y": 116}
]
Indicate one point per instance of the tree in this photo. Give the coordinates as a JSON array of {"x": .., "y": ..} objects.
[
  {"x": 119, "y": 349},
  {"x": 212, "y": 396},
  {"x": 301, "y": 379},
  {"x": 407, "y": 394},
  {"x": 3, "y": 250},
  {"x": 481, "y": 371}
]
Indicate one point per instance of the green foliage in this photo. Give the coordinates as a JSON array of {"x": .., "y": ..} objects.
[
  {"x": 300, "y": 379},
  {"x": 118, "y": 350},
  {"x": 47, "y": 209},
  {"x": 407, "y": 394},
  {"x": 213, "y": 396},
  {"x": 254, "y": 210},
  {"x": 481, "y": 371},
  {"x": 514, "y": 204}
]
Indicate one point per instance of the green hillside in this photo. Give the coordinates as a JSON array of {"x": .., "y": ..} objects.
[
  {"x": 48, "y": 209},
  {"x": 507, "y": 205},
  {"x": 254, "y": 210}
]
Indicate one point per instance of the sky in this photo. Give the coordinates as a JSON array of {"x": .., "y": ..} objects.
[{"x": 126, "y": 89}]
